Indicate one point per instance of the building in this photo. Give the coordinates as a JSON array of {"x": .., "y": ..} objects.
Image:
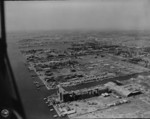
[
  {"x": 65, "y": 96},
  {"x": 61, "y": 93},
  {"x": 124, "y": 90}
]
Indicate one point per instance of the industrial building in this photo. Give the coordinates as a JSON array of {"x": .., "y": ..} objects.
[
  {"x": 65, "y": 96},
  {"x": 124, "y": 90},
  {"x": 110, "y": 87}
]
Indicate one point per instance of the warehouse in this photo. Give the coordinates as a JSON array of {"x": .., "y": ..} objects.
[
  {"x": 65, "y": 96},
  {"x": 125, "y": 90}
]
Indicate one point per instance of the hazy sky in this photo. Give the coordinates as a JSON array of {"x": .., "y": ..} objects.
[{"x": 78, "y": 14}]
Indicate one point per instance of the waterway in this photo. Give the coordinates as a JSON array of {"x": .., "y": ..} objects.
[{"x": 31, "y": 97}]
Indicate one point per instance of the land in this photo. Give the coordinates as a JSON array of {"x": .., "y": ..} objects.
[{"x": 71, "y": 59}]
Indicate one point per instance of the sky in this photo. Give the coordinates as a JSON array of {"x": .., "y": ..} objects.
[{"x": 78, "y": 14}]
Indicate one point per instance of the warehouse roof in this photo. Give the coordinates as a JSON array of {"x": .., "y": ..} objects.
[{"x": 123, "y": 90}]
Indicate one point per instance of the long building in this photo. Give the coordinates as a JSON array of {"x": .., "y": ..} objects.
[{"x": 65, "y": 96}]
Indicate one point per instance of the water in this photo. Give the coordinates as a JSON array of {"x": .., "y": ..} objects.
[{"x": 32, "y": 99}]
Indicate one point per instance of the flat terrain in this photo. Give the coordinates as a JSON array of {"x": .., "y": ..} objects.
[{"x": 79, "y": 60}]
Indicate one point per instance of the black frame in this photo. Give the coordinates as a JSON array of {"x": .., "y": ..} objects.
[{"x": 10, "y": 99}]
